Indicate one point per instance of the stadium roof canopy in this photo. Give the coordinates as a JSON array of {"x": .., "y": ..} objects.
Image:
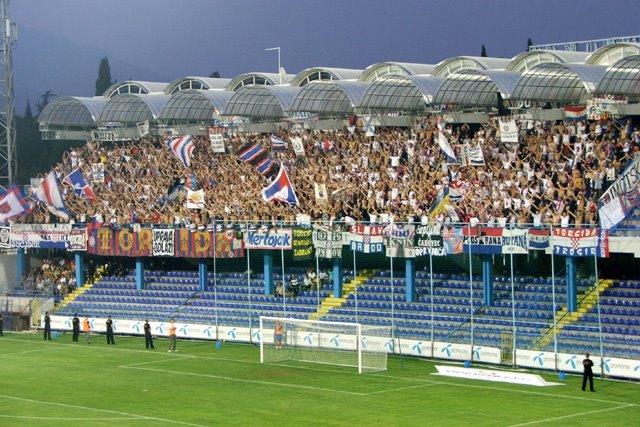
[
  {"x": 384, "y": 69},
  {"x": 556, "y": 82},
  {"x": 204, "y": 83},
  {"x": 129, "y": 109},
  {"x": 261, "y": 79},
  {"x": 622, "y": 78},
  {"x": 476, "y": 87},
  {"x": 73, "y": 111},
  {"x": 330, "y": 97},
  {"x": 135, "y": 86},
  {"x": 262, "y": 102},
  {"x": 608, "y": 55},
  {"x": 527, "y": 60},
  {"x": 406, "y": 94},
  {"x": 196, "y": 105},
  {"x": 323, "y": 73},
  {"x": 458, "y": 63}
]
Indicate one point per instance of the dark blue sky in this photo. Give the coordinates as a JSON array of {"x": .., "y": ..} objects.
[{"x": 61, "y": 41}]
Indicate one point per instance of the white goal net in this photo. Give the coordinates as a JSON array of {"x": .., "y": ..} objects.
[{"x": 334, "y": 343}]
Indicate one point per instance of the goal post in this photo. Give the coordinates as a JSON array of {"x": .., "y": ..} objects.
[{"x": 364, "y": 347}]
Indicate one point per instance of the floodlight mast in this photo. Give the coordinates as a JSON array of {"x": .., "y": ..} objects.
[
  {"x": 278, "y": 49},
  {"x": 8, "y": 162}
]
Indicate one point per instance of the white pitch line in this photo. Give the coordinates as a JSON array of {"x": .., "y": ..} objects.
[
  {"x": 242, "y": 380},
  {"x": 402, "y": 388},
  {"x": 24, "y": 352},
  {"x": 133, "y": 416},
  {"x": 509, "y": 390},
  {"x": 72, "y": 419},
  {"x": 578, "y": 414}
]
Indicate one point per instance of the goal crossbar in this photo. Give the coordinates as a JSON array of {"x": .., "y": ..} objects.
[{"x": 334, "y": 343}]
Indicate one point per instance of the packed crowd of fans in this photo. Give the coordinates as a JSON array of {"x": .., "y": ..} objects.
[
  {"x": 552, "y": 176},
  {"x": 54, "y": 276}
]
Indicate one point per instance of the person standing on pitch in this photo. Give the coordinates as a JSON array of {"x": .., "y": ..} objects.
[
  {"x": 1, "y": 325},
  {"x": 148, "y": 339},
  {"x": 110, "y": 339},
  {"x": 172, "y": 337},
  {"x": 588, "y": 372},
  {"x": 47, "y": 326},
  {"x": 75, "y": 323},
  {"x": 86, "y": 326},
  {"x": 277, "y": 334}
]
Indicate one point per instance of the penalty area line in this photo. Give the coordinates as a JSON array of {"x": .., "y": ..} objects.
[
  {"x": 108, "y": 411},
  {"x": 242, "y": 380},
  {"x": 578, "y": 414}
]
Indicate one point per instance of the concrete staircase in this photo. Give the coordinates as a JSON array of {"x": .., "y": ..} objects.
[
  {"x": 587, "y": 301},
  {"x": 348, "y": 288},
  {"x": 79, "y": 291}
]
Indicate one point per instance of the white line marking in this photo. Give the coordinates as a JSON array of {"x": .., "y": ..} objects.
[
  {"x": 401, "y": 389},
  {"x": 509, "y": 390},
  {"x": 72, "y": 419},
  {"x": 578, "y": 414},
  {"x": 187, "y": 356},
  {"x": 242, "y": 380},
  {"x": 25, "y": 352},
  {"x": 65, "y": 405}
]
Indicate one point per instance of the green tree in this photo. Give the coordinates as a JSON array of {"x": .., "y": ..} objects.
[
  {"x": 45, "y": 99},
  {"x": 36, "y": 155},
  {"x": 104, "y": 76},
  {"x": 28, "y": 114},
  {"x": 483, "y": 53},
  {"x": 215, "y": 74}
]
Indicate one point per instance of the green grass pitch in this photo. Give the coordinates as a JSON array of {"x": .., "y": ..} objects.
[{"x": 61, "y": 383}]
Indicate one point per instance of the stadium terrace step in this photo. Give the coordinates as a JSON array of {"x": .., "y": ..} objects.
[
  {"x": 587, "y": 300},
  {"x": 348, "y": 288},
  {"x": 79, "y": 291}
]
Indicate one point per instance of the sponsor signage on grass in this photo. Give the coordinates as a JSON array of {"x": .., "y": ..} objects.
[{"x": 492, "y": 375}]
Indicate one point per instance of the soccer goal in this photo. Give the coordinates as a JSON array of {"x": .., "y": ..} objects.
[{"x": 333, "y": 343}]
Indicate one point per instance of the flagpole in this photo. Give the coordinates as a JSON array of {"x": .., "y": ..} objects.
[{"x": 278, "y": 49}]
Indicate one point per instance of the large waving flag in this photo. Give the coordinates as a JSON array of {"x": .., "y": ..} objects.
[
  {"x": 13, "y": 205},
  {"x": 278, "y": 144},
  {"x": 80, "y": 186},
  {"x": 48, "y": 192},
  {"x": 576, "y": 113},
  {"x": 182, "y": 147},
  {"x": 443, "y": 142},
  {"x": 280, "y": 189},
  {"x": 255, "y": 154}
]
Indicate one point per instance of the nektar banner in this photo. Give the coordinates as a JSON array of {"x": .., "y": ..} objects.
[{"x": 272, "y": 239}]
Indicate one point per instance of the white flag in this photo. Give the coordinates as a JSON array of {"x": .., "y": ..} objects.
[
  {"x": 508, "y": 131},
  {"x": 298, "y": 146}
]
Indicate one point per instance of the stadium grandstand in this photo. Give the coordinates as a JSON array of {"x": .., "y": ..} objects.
[{"x": 483, "y": 209}]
